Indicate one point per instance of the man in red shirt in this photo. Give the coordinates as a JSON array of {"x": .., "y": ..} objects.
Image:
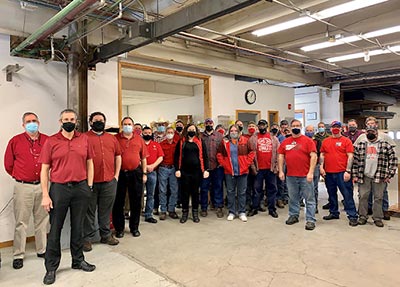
[
  {"x": 107, "y": 164},
  {"x": 132, "y": 176},
  {"x": 67, "y": 156},
  {"x": 300, "y": 155},
  {"x": 156, "y": 155},
  {"x": 21, "y": 162},
  {"x": 336, "y": 161}
]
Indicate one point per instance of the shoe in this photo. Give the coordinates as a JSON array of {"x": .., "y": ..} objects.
[
  {"x": 262, "y": 209},
  {"x": 326, "y": 206},
  {"x": 292, "y": 220},
  {"x": 230, "y": 217},
  {"x": 220, "y": 213},
  {"x": 18, "y": 263},
  {"x": 243, "y": 217},
  {"x": 273, "y": 213},
  {"x": 370, "y": 212},
  {"x": 49, "y": 278},
  {"x": 41, "y": 255},
  {"x": 84, "y": 266},
  {"x": 310, "y": 225},
  {"x": 185, "y": 214},
  {"x": 379, "y": 223},
  {"x": 151, "y": 220},
  {"x": 136, "y": 233},
  {"x": 87, "y": 246},
  {"x": 163, "y": 215},
  {"x": 386, "y": 215},
  {"x": 362, "y": 221},
  {"x": 111, "y": 240},
  {"x": 203, "y": 213},
  {"x": 155, "y": 212},
  {"x": 195, "y": 214},
  {"x": 280, "y": 204},
  {"x": 252, "y": 212},
  {"x": 173, "y": 215},
  {"x": 119, "y": 234},
  {"x": 353, "y": 222},
  {"x": 330, "y": 217}
]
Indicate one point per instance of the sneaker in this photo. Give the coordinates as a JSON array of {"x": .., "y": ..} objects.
[
  {"x": 87, "y": 246},
  {"x": 243, "y": 217},
  {"x": 310, "y": 225},
  {"x": 292, "y": 220},
  {"x": 220, "y": 213},
  {"x": 111, "y": 240},
  {"x": 18, "y": 263},
  {"x": 379, "y": 223},
  {"x": 353, "y": 222},
  {"x": 362, "y": 221},
  {"x": 230, "y": 217}
]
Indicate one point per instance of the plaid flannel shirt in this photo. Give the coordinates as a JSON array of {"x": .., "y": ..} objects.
[{"x": 387, "y": 161}]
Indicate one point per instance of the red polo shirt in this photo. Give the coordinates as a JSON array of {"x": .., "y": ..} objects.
[
  {"x": 169, "y": 151},
  {"x": 133, "y": 150},
  {"x": 335, "y": 152},
  {"x": 155, "y": 151},
  {"x": 67, "y": 158},
  {"x": 106, "y": 148},
  {"x": 21, "y": 159}
]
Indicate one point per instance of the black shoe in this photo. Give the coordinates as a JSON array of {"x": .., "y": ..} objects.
[
  {"x": 119, "y": 234},
  {"x": 185, "y": 214},
  {"x": 386, "y": 215},
  {"x": 18, "y": 263},
  {"x": 326, "y": 206},
  {"x": 353, "y": 222},
  {"x": 173, "y": 215},
  {"x": 49, "y": 278},
  {"x": 262, "y": 209},
  {"x": 273, "y": 213},
  {"x": 84, "y": 266},
  {"x": 151, "y": 220},
  {"x": 316, "y": 211},
  {"x": 292, "y": 220},
  {"x": 252, "y": 212},
  {"x": 195, "y": 214},
  {"x": 41, "y": 255},
  {"x": 370, "y": 211},
  {"x": 330, "y": 217},
  {"x": 136, "y": 233}
]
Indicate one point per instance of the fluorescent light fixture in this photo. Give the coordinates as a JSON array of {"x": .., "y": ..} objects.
[
  {"x": 351, "y": 39},
  {"x": 327, "y": 13},
  {"x": 362, "y": 54}
]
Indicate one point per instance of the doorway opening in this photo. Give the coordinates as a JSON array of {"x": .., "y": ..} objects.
[{"x": 247, "y": 116}]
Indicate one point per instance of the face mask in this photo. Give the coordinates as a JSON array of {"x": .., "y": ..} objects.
[
  {"x": 98, "y": 126},
  {"x": 68, "y": 126},
  {"x": 309, "y": 134},
  {"x": 371, "y": 136},
  {"x": 138, "y": 132},
  {"x": 240, "y": 128},
  {"x": 179, "y": 129},
  {"x": 147, "y": 137},
  {"x": 274, "y": 131},
  {"x": 288, "y": 135},
  {"x": 262, "y": 130},
  {"x": 321, "y": 130},
  {"x": 32, "y": 127},
  {"x": 221, "y": 131},
  {"x": 170, "y": 136},
  {"x": 296, "y": 131},
  {"x": 234, "y": 135},
  {"x": 352, "y": 129},
  {"x": 209, "y": 128},
  {"x": 191, "y": 133},
  {"x": 252, "y": 130},
  {"x": 127, "y": 129},
  {"x": 335, "y": 131},
  {"x": 161, "y": 129}
]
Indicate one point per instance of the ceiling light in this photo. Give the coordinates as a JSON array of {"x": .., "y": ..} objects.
[
  {"x": 366, "y": 56},
  {"x": 330, "y": 12},
  {"x": 351, "y": 39},
  {"x": 363, "y": 54}
]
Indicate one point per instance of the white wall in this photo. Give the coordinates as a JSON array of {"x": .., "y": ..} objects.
[
  {"x": 331, "y": 108},
  {"x": 308, "y": 99}
]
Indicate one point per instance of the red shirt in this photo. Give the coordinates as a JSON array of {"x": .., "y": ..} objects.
[
  {"x": 67, "y": 158},
  {"x": 297, "y": 155},
  {"x": 264, "y": 151},
  {"x": 133, "y": 150},
  {"x": 106, "y": 148},
  {"x": 155, "y": 151},
  {"x": 21, "y": 159},
  {"x": 169, "y": 151},
  {"x": 335, "y": 152}
]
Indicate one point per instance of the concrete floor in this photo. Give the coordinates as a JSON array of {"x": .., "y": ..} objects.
[{"x": 262, "y": 252}]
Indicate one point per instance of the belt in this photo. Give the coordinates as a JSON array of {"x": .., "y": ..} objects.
[
  {"x": 167, "y": 165},
  {"x": 73, "y": 183},
  {"x": 29, "y": 182}
]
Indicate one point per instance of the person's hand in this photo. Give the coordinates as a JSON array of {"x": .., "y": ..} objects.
[
  {"x": 387, "y": 180},
  {"x": 206, "y": 174},
  {"x": 310, "y": 177},
  {"x": 144, "y": 178},
  {"x": 150, "y": 168},
  {"x": 355, "y": 179},
  {"x": 47, "y": 203},
  {"x": 178, "y": 173},
  {"x": 346, "y": 176},
  {"x": 322, "y": 171},
  {"x": 281, "y": 176}
]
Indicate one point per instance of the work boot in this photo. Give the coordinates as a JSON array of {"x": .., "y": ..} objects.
[
  {"x": 185, "y": 214},
  {"x": 386, "y": 215},
  {"x": 220, "y": 213},
  {"x": 87, "y": 246},
  {"x": 195, "y": 214},
  {"x": 204, "y": 213}
]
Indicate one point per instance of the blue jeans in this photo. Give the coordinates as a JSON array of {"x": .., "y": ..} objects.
[
  {"x": 385, "y": 204},
  {"x": 167, "y": 176},
  {"x": 270, "y": 184},
  {"x": 150, "y": 187},
  {"x": 239, "y": 184},
  {"x": 215, "y": 180},
  {"x": 317, "y": 175},
  {"x": 298, "y": 188},
  {"x": 333, "y": 181}
]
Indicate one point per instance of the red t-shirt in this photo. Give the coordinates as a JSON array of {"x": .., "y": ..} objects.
[
  {"x": 133, "y": 150},
  {"x": 169, "y": 151},
  {"x": 297, "y": 155},
  {"x": 264, "y": 151},
  {"x": 106, "y": 148},
  {"x": 155, "y": 151},
  {"x": 67, "y": 158},
  {"x": 335, "y": 152}
]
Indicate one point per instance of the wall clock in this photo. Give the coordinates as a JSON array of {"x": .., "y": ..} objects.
[{"x": 250, "y": 97}]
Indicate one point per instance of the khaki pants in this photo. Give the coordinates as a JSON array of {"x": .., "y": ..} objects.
[
  {"x": 364, "y": 190},
  {"x": 28, "y": 201}
]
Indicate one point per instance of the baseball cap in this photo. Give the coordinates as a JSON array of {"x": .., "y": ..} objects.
[
  {"x": 336, "y": 123},
  {"x": 284, "y": 122},
  {"x": 262, "y": 122},
  {"x": 371, "y": 128},
  {"x": 209, "y": 120}
]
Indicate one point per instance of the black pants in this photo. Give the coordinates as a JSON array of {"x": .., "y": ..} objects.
[
  {"x": 133, "y": 182},
  {"x": 76, "y": 198},
  {"x": 190, "y": 184}
]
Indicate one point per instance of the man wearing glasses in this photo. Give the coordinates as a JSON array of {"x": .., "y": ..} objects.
[{"x": 21, "y": 162}]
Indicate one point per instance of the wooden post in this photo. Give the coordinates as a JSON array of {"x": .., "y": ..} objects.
[{"x": 395, "y": 209}]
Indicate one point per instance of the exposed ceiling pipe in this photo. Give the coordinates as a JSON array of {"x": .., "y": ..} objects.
[{"x": 54, "y": 24}]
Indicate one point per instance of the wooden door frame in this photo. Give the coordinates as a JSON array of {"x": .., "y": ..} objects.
[
  {"x": 254, "y": 112},
  {"x": 303, "y": 111},
  {"x": 277, "y": 116}
]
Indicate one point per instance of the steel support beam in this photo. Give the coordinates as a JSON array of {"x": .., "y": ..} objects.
[{"x": 141, "y": 34}]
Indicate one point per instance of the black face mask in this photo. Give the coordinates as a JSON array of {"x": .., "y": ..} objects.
[
  {"x": 296, "y": 131},
  {"x": 274, "y": 131},
  {"x": 209, "y": 128},
  {"x": 240, "y": 128},
  {"x": 352, "y": 129},
  {"x": 98, "y": 126},
  {"x": 288, "y": 135},
  {"x": 371, "y": 136},
  {"x": 262, "y": 131},
  {"x": 68, "y": 126},
  {"x": 191, "y": 133},
  {"x": 147, "y": 137},
  {"x": 179, "y": 129}
]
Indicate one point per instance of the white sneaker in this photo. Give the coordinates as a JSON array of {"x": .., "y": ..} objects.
[
  {"x": 230, "y": 217},
  {"x": 243, "y": 217}
]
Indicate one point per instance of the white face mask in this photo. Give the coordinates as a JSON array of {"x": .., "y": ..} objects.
[{"x": 170, "y": 136}]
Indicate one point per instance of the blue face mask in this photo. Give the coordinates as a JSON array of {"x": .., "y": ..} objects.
[
  {"x": 127, "y": 129},
  {"x": 321, "y": 130},
  {"x": 31, "y": 127},
  {"x": 161, "y": 129},
  {"x": 309, "y": 134}
]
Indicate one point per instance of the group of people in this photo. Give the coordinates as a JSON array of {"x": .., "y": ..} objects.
[{"x": 92, "y": 172}]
